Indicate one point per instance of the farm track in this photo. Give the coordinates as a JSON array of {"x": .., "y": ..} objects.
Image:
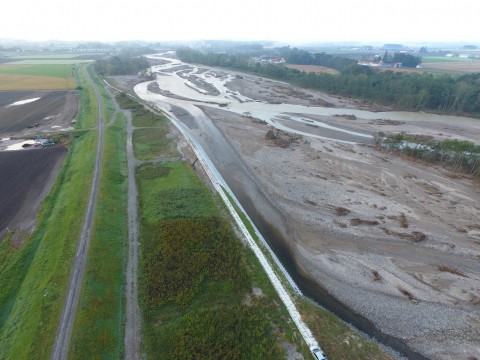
[{"x": 64, "y": 331}]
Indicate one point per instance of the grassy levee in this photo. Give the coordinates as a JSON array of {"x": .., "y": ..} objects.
[
  {"x": 98, "y": 329},
  {"x": 87, "y": 114},
  {"x": 337, "y": 340},
  {"x": 108, "y": 106},
  {"x": 34, "y": 278}
]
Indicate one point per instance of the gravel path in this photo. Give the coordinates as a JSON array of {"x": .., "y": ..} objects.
[
  {"x": 64, "y": 331},
  {"x": 132, "y": 325}
]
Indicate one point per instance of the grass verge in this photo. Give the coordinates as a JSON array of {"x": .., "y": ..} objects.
[{"x": 98, "y": 330}]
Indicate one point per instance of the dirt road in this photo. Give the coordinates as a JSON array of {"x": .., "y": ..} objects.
[
  {"x": 132, "y": 324},
  {"x": 64, "y": 331}
]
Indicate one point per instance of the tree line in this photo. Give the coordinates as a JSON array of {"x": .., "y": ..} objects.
[
  {"x": 407, "y": 60},
  {"x": 402, "y": 91},
  {"x": 125, "y": 63}
]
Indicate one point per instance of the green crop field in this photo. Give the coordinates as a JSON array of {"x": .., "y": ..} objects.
[
  {"x": 52, "y": 70},
  {"x": 36, "y": 77}
]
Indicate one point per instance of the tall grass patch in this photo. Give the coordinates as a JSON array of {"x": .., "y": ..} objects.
[
  {"x": 149, "y": 143},
  {"x": 34, "y": 281},
  {"x": 98, "y": 330}
]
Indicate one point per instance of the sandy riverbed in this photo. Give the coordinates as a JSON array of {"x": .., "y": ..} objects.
[{"x": 395, "y": 240}]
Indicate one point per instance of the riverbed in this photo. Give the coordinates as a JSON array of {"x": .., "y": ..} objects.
[{"x": 363, "y": 265}]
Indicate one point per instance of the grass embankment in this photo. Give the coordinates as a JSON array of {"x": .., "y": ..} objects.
[
  {"x": 98, "y": 330},
  {"x": 34, "y": 278},
  {"x": 36, "y": 77},
  {"x": 108, "y": 106},
  {"x": 88, "y": 112}
]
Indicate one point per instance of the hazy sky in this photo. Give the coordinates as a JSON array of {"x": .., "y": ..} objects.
[{"x": 287, "y": 20}]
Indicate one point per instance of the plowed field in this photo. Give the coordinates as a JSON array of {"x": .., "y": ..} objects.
[
  {"x": 25, "y": 178},
  {"x": 53, "y": 108}
]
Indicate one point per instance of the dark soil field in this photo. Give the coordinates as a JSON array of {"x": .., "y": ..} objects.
[
  {"x": 26, "y": 176},
  {"x": 54, "y": 108}
]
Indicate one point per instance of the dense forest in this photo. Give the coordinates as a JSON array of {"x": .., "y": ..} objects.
[{"x": 445, "y": 94}]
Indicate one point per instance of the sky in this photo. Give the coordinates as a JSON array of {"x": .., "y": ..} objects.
[{"x": 363, "y": 21}]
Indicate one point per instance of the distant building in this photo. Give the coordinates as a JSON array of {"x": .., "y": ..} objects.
[{"x": 265, "y": 59}]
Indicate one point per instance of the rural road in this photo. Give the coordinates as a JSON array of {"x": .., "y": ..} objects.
[{"x": 65, "y": 327}]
